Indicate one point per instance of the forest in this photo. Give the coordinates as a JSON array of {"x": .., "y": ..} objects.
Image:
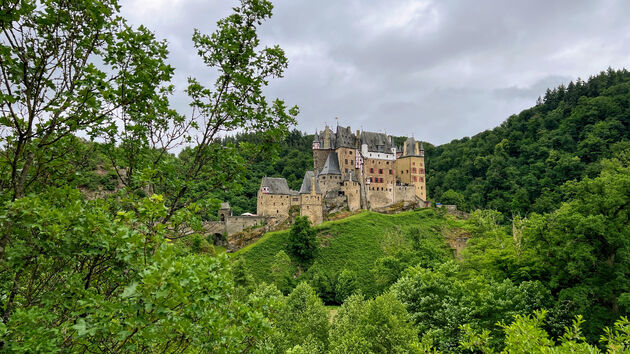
[{"x": 104, "y": 188}]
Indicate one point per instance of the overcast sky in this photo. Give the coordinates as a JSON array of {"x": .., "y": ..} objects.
[{"x": 438, "y": 70}]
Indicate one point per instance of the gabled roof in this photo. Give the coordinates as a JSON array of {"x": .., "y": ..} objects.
[
  {"x": 376, "y": 142},
  {"x": 331, "y": 166},
  {"x": 276, "y": 185},
  {"x": 345, "y": 138},
  {"x": 307, "y": 183}
]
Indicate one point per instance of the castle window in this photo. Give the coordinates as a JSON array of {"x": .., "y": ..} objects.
[
  {"x": 421, "y": 179},
  {"x": 391, "y": 172},
  {"x": 351, "y": 162},
  {"x": 346, "y": 161},
  {"x": 387, "y": 162},
  {"x": 413, "y": 163},
  {"x": 323, "y": 177},
  {"x": 413, "y": 170},
  {"x": 406, "y": 171},
  {"x": 415, "y": 179},
  {"x": 346, "y": 170},
  {"x": 381, "y": 179},
  {"x": 371, "y": 169}
]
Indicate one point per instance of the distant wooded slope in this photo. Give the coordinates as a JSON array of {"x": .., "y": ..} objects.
[{"x": 521, "y": 165}]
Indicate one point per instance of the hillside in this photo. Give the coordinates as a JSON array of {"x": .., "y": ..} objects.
[
  {"x": 355, "y": 244},
  {"x": 519, "y": 166}
]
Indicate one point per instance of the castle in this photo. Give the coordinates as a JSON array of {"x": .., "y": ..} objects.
[{"x": 350, "y": 172}]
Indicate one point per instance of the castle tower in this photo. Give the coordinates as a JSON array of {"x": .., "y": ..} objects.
[
  {"x": 225, "y": 211},
  {"x": 410, "y": 169},
  {"x": 311, "y": 199},
  {"x": 329, "y": 177}
]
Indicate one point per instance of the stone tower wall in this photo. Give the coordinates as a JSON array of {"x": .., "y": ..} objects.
[
  {"x": 328, "y": 182},
  {"x": 311, "y": 206},
  {"x": 347, "y": 158},
  {"x": 273, "y": 205},
  {"x": 353, "y": 194}
]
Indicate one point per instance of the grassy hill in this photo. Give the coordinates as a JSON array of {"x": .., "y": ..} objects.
[{"x": 353, "y": 243}]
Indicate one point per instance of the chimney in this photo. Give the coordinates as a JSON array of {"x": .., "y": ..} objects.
[
  {"x": 405, "y": 148},
  {"x": 416, "y": 149},
  {"x": 313, "y": 189}
]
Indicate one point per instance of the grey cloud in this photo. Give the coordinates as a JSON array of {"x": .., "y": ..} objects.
[{"x": 454, "y": 68}]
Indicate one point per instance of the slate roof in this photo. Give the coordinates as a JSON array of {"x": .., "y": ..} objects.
[
  {"x": 411, "y": 148},
  {"x": 376, "y": 142},
  {"x": 276, "y": 185},
  {"x": 345, "y": 138},
  {"x": 225, "y": 205},
  {"x": 331, "y": 166},
  {"x": 319, "y": 137},
  {"x": 306, "y": 183}
]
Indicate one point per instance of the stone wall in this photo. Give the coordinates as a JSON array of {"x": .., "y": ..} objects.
[
  {"x": 233, "y": 224},
  {"x": 353, "y": 195},
  {"x": 404, "y": 194},
  {"x": 274, "y": 205},
  {"x": 328, "y": 183},
  {"x": 377, "y": 169},
  {"x": 236, "y": 224},
  {"x": 346, "y": 157},
  {"x": 379, "y": 197},
  {"x": 311, "y": 206}
]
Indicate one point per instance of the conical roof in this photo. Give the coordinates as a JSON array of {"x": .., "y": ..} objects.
[
  {"x": 331, "y": 166},
  {"x": 307, "y": 183}
]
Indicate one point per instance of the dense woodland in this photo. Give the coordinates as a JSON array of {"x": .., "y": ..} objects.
[{"x": 104, "y": 188}]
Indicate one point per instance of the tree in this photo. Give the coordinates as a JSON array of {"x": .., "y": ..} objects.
[
  {"x": 50, "y": 87},
  {"x": 281, "y": 271},
  {"x": 77, "y": 278},
  {"x": 452, "y": 197},
  {"x": 526, "y": 335},
  {"x": 346, "y": 285},
  {"x": 236, "y": 103},
  {"x": 303, "y": 319},
  {"x": 302, "y": 241},
  {"x": 103, "y": 275},
  {"x": 380, "y": 325}
]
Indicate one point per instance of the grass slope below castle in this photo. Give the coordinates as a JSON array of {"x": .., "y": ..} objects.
[{"x": 353, "y": 243}]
